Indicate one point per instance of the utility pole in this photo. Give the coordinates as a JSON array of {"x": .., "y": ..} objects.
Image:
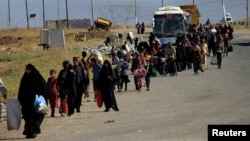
[
  {"x": 162, "y": 4},
  {"x": 27, "y": 15},
  {"x": 9, "y": 14},
  {"x": 92, "y": 11},
  {"x": 193, "y": 2},
  {"x": 224, "y": 12},
  {"x": 43, "y": 15},
  {"x": 247, "y": 13},
  {"x": 67, "y": 14},
  {"x": 58, "y": 9},
  {"x": 135, "y": 13}
]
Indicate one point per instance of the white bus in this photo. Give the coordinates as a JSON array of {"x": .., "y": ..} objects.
[{"x": 168, "y": 22}]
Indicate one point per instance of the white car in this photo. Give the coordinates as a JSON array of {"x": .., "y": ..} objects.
[{"x": 228, "y": 18}]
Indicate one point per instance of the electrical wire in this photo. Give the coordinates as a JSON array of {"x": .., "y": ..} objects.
[{"x": 216, "y": 10}]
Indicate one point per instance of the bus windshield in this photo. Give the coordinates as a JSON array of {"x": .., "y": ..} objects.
[{"x": 169, "y": 24}]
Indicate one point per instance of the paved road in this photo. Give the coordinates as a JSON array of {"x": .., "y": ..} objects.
[{"x": 175, "y": 109}]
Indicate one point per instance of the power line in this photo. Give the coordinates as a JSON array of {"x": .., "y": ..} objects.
[
  {"x": 206, "y": 3},
  {"x": 216, "y": 10}
]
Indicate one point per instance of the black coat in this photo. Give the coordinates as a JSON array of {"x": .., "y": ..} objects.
[
  {"x": 30, "y": 85},
  {"x": 106, "y": 83}
]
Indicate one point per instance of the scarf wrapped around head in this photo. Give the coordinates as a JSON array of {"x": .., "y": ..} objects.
[
  {"x": 78, "y": 60},
  {"x": 32, "y": 83}
]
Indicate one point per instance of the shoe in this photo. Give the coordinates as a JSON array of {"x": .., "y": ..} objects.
[
  {"x": 78, "y": 111},
  {"x": 116, "y": 109},
  {"x": 38, "y": 131},
  {"x": 147, "y": 89},
  {"x": 31, "y": 136},
  {"x": 86, "y": 96},
  {"x": 25, "y": 132},
  {"x": 63, "y": 115},
  {"x": 106, "y": 110}
]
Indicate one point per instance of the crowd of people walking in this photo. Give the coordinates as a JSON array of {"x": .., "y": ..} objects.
[
  {"x": 148, "y": 59},
  {"x": 190, "y": 51},
  {"x": 69, "y": 87}
]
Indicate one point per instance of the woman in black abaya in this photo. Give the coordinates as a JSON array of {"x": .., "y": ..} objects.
[
  {"x": 106, "y": 84},
  {"x": 32, "y": 83}
]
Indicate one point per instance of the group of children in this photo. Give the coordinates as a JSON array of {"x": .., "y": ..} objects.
[{"x": 79, "y": 85}]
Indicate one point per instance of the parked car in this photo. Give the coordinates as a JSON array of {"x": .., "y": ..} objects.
[{"x": 228, "y": 18}]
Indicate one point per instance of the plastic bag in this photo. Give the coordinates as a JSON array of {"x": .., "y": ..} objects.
[
  {"x": 97, "y": 55},
  {"x": 99, "y": 99},
  {"x": 154, "y": 72},
  {"x": 40, "y": 104},
  {"x": 213, "y": 61}
]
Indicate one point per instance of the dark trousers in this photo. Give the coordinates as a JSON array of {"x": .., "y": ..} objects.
[
  {"x": 219, "y": 58},
  {"x": 109, "y": 98},
  {"x": 95, "y": 82},
  {"x": 33, "y": 121},
  {"x": 136, "y": 85},
  {"x": 214, "y": 49},
  {"x": 147, "y": 79},
  {"x": 196, "y": 65},
  {"x": 71, "y": 104},
  {"x": 124, "y": 79},
  {"x": 171, "y": 68},
  {"x": 78, "y": 100},
  {"x": 138, "y": 30}
]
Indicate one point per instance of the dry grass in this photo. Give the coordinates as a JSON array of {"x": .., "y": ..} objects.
[{"x": 16, "y": 54}]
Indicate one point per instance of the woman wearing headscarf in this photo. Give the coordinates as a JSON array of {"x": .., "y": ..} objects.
[
  {"x": 136, "y": 63},
  {"x": 106, "y": 84},
  {"x": 81, "y": 79},
  {"x": 62, "y": 89},
  {"x": 70, "y": 88},
  {"x": 32, "y": 83}
]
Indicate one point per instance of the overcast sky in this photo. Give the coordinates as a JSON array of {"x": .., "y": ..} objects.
[{"x": 123, "y": 10}]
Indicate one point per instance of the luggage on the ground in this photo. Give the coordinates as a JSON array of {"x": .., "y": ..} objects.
[
  {"x": 13, "y": 114},
  {"x": 213, "y": 61}
]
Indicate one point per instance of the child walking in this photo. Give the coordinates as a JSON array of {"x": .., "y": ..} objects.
[{"x": 53, "y": 92}]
